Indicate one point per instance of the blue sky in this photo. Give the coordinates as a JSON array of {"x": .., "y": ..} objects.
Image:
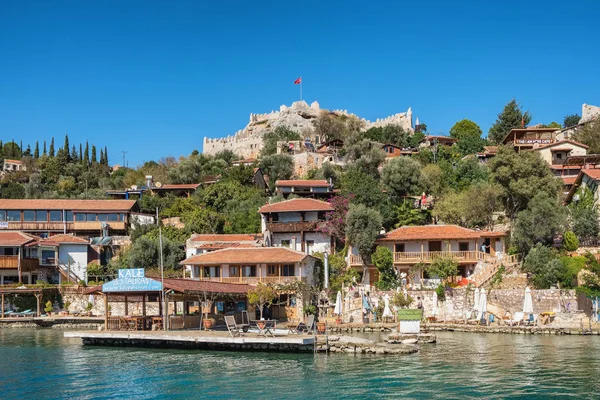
[{"x": 153, "y": 78}]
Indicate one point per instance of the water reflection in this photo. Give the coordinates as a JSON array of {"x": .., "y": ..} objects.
[{"x": 43, "y": 364}]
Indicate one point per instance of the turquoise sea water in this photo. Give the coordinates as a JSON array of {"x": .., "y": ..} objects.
[{"x": 42, "y": 364}]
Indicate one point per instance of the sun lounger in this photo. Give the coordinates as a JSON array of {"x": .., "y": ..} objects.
[
  {"x": 232, "y": 327},
  {"x": 25, "y": 313},
  {"x": 516, "y": 320}
]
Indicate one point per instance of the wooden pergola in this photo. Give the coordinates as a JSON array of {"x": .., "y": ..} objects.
[{"x": 37, "y": 292}]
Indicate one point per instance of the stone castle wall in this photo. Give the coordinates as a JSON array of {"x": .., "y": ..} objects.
[{"x": 248, "y": 141}]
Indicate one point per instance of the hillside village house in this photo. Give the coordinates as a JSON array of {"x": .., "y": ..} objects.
[
  {"x": 28, "y": 259},
  {"x": 393, "y": 151},
  {"x": 589, "y": 179},
  {"x": 530, "y": 138},
  {"x": 411, "y": 245},
  {"x": 556, "y": 153},
  {"x": 314, "y": 188},
  {"x": 295, "y": 224},
  {"x": 80, "y": 217},
  {"x": 204, "y": 243},
  {"x": 257, "y": 265},
  {"x": 13, "y": 166},
  {"x": 432, "y": 141}
]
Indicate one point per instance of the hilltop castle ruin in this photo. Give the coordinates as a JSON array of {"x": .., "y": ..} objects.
[{"x": 248, "y": 142}]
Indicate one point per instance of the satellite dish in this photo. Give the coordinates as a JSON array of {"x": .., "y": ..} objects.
[{"x": 158, "y": 184}]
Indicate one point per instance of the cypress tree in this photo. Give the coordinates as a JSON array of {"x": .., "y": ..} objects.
[
  {"x": 67, "y": 148},
  {"x": 21, "y": 147},
  {"x": 12, "y": 149},
  {"x": 80, "y": 153},
  {"x": 101, "y": 156},
  {"x": 105, "y": 156},
  {"x": 94, "y": 161},
  {"x": 28, "y": 151},
  {"x": 74, "y": 157},
  {"x": 36, "y": 152},
  {"x": 51, "y": 151},
  {"x": 45, "y": 152},
  {"x": 86, "y": 154}
]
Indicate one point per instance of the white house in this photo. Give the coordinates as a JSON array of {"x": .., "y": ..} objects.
[
  {"x": 295, "y": 224},
  {"x": 70, "y": 256}
]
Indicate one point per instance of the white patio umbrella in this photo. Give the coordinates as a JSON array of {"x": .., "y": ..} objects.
[
  {"x": 482, "y": 303},
  {"x": 338, "y": 304},
  {"x": 527, "y": 302},
  {"x": 434, "y": 309},
  {"x": 387, "y": 313},
  {"x": 476, "y": 300}
]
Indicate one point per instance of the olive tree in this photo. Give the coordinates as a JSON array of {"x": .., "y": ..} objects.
[{"x": 362, "y": 228}]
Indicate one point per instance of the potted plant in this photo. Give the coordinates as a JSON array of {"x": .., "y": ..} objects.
[
  {"x": 262, "y": 296},
  {"x": 48, "y": 308},
  {"x": 67, "y": 305},
  {"x": 88, "y": 309}
]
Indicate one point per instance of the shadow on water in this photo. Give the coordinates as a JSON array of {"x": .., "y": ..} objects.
[{"x": 44, "y": 364}]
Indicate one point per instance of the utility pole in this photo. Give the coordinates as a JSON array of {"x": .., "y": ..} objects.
[{"x": 162, "y": 274}]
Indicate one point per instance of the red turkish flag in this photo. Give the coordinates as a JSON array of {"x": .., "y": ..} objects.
[{"x": 298, "y": 81}]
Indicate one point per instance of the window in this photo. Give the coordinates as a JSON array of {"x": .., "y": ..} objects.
[
  {"x": 285, "y": 243},
  {"x": 102, "y": 217},
  {"x": 234, "y": 271},
  {"x": 2, "y": 215},
  {"x": 90, "y": 217},
  {"x": 69, "y": 216},
  {"x": 463, "y": 246},
  {"x": 56, "y": 216},
  {"x": 309, "y": 245},
  {"x": 113, "y": 217},
  {"x": 13, "y": 216},
  {"x": 80, "y": 217},
  {"x": 48, "y": 257},
  {"x": 287, "y": 270},
  {"x": 271, "y": 270},
  {"x": 41, "y": 216},
  {"x": 249, "y": 270},
  {"x": 28, "y": 215},
  {"x": 399, "y": 248}
]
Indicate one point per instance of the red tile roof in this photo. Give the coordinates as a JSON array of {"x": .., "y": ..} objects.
[
  {"x": 565, "y": 141},
  {"x": 75, "y": 205},
  {"x": 592, "y": 173},
  {"x": 225, "y": 237},
  {"x": 303, "y": 183},
  {"x": 431, "y": 232},
  {"x": 569, "y": 180},
  {"x": 64, "y": 239},
  {"x": 191, "y": 285},
  {"x": 252, "y": 255},
  {"x": 297, "y": 205},
  {"x": 13, "y": 161},
  {"x": 11, "y": 238}
]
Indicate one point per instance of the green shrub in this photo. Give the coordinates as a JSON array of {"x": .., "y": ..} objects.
[
  {"x": 441, "y": 292},
  {"x": 49, "y": 307},
  {"x": 570, "y": 241}
]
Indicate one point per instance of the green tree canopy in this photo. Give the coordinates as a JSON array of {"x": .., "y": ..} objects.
[
  {"x": 277, "y": 166},
  {"x": 543, "y": 219},
  {"x": 583, "y": 215},
  {"x": 521, "y": 177},
  {"x": 270, "y": 139},
  {"x": 589, "y": 134},
  {"x": 511, "y": 117},
  {"x": 571, "y": 120},
  {"x": 384, "y": 262},
  {"x": 362, "y": 228},
  {"x": 401, "y": 176},
  {"x": 543, "y": 267},
  {"x": 465, "y": 128}
]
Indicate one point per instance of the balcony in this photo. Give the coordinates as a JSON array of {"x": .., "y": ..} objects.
[
  {"x": 430, "y": 256},
  {"x": 253, "y": 280},
  {"x": 12, "y": 262},
  {"x": 300, "y": 226},
  {"x": 60, "y": 226}
]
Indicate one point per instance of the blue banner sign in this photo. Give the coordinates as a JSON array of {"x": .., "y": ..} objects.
[{"x": 132, "y": 280}]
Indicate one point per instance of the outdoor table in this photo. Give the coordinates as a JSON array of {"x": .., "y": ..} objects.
[
  {"x": 268, "y": 326},
  {"x": 158, "y": 322}
]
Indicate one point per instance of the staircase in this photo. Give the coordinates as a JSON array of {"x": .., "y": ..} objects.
[
  {"x": 65, "y": 273},
  {"x": 489, "y": 268}
]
